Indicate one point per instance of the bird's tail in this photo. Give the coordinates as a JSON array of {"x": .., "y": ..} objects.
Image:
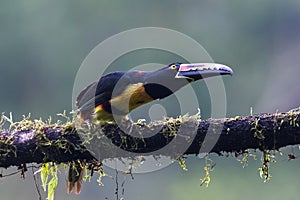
[{"x": 75, "y": 177}]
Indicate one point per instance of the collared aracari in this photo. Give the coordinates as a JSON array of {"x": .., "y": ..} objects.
[{"x": 116, "y": 94}]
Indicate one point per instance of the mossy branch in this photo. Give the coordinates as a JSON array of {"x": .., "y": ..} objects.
[{"x": 36, "y": 142}]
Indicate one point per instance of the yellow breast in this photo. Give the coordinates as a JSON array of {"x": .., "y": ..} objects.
[{"x": 132, "y": 97}]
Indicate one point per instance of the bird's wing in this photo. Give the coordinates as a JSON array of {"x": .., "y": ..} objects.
[
  {"x": 86, "y": 94},
  {"x": 102, "y": 88},
  {"x": 88, "y": 106},
  {"x": 101, "y": 91}
]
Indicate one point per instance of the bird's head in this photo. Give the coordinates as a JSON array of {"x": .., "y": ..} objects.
[{"x": 169, "y": 79}]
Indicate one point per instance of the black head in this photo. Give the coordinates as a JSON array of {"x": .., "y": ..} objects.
[{"x": 165, "y": 81}]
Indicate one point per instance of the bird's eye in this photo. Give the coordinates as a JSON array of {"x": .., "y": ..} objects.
[{"x": 173, "y": 67}]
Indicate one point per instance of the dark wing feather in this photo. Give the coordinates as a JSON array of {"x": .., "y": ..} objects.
[
  {"x": 86, "y": 94},
  {"x": 88, "y": 107},
  {"x": 101, "y": 91}
]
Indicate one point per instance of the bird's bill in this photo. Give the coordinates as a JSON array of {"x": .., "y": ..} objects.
[{"x": 196, "y": 71}]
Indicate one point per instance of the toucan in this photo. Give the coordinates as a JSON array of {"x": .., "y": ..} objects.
[{"x": 116, "y": 94}]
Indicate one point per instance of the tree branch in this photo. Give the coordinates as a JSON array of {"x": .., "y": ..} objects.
[{"x": 32, "y": 143}]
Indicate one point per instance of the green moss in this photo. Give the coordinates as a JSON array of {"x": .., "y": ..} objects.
[
  {"x": 89, "y": 132},
  {"x": 181, "y": 162},
  {"x": 267, "y": 158},
  {"x": 245, "y": 157},
  {"x": 258, "y": 129},
  {"x": 209, "y": 166}
]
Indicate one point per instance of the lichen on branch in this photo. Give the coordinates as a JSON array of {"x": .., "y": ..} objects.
[{"x": 34, "y": 141}]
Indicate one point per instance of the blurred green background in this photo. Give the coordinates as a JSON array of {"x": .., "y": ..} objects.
[{"x": 43, "y": 43}]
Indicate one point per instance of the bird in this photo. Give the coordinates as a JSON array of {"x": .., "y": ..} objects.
[{"x": 116, "y": 94}]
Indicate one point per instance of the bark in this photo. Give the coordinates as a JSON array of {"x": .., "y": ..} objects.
[{"x": 63, "y": 143}]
